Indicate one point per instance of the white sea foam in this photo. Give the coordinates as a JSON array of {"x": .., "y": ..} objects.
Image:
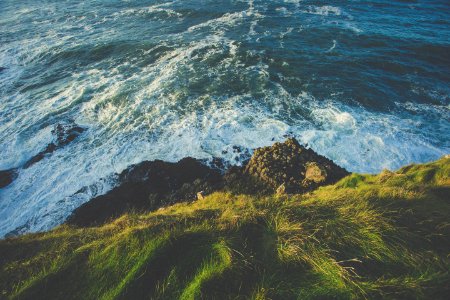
[
  {"x": 228, "y": 19},
  {"x": 283, "y": 11},
  {"x": 150, "y": 10},
  {"x": 325, "y": 10},
  {"x": 284, "y": 33},
  {"x": 333, "y": 46}
]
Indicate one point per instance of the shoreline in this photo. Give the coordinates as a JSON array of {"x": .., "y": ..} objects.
[
  {"x": 283, "y": 168},
  {"x": 365, "y": 236},
  {"x": 151, "y": 185}
]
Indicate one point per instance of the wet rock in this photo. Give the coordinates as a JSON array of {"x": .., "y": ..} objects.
[
  {"x": 2, "y": 69},
  {"x": 64, "y": 134},
  {"x": 148, "y": 186},
  {"x": 237, "y": 149},
  {"x": 240, "y": 155},
  {"x": 297, "y": 168},
  {"x": 7, "y": 177},
  {"x": 217, "y": 163},
  {"x": 18, "y": 231}
]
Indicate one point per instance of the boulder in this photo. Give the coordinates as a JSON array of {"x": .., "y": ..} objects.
[
  {"x": 315, "y": 173},
  {"x": 7, "y": 177},
  {"x": 64, "y": 133},
  {"x": 291, "y": 168}
]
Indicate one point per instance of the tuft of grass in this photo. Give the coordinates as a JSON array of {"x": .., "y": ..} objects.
[
  {"x": 208, "y": 270},
  {"x": 367, "y": 236}
]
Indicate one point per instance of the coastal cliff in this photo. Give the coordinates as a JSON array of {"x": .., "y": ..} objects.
[
  {"x": 283, "y": 168},
  {"x": 289, "y": 224}
]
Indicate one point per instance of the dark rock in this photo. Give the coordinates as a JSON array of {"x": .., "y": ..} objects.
[
  {"x": 289, "y": 134},
  {"x": 7, "y": 177},
  {"x": 148, "y": 186},
  {"x": 2, "y": 69},
  {"x": 292, "y": 165},
  {"x": 64, "y": 134},
  {"x": 237, "y": 149},
  {"x": 285, "y": 168},
  {"x": 18, "y": 231},
  {"x": 217, "y": 163},
  {"x": 238, "y": 182}
]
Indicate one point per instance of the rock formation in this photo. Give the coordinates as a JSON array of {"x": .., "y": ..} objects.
[
  {"x": 64, "y": 133},
  {"x": 282, "y": 168},
  {"x": 293, "y": 168},
  {"x": 148, "y": 186}
]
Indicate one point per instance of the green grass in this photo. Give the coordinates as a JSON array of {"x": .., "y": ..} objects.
[{"x": 367, "y": 236}]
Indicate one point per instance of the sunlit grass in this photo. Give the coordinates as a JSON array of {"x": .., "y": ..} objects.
[{"x": 367, "y": 236}]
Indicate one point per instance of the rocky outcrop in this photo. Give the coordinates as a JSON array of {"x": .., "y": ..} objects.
[
  {"x": 64, "y": 133},
  {"x": 283, "y": 168},
  {"x": 291, "y": 168},
  {"x": 7, "y": 176},
  {"x": 148, "y": 186}
]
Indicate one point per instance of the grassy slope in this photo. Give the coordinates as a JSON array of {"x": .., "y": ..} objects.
[{"x": 365, "y": 237}]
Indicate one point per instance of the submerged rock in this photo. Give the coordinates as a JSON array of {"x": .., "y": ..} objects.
[
  {"x": 64, "y": 134},
  {"x": 292, "y": 166},
  {"x": 7, "y": 177}
]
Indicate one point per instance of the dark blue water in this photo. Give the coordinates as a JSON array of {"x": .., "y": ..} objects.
[{"x": 365, "y": 83}]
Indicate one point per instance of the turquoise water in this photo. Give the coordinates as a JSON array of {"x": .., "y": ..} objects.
[{"x": 365, "y": 83}]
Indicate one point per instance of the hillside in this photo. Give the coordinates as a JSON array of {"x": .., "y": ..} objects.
[{"x": 366, "y": 236}]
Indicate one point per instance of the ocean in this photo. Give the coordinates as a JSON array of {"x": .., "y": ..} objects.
[{"x": 365, "y": 83}]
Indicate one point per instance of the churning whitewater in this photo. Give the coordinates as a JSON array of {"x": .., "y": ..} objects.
[{"x": 365, "y": 83}]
